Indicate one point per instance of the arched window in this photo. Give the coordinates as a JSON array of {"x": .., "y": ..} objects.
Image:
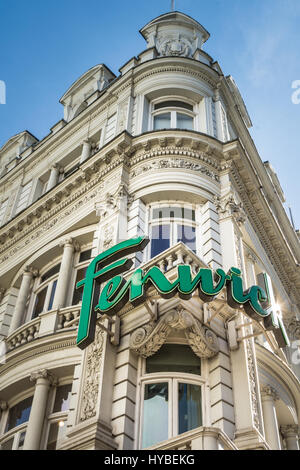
[
  {"x": 172, "y": 394},
  {"x": 172, "y": 114},
  {"x": 172, "y": 223}
]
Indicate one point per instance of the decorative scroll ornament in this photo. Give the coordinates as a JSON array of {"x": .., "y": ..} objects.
[
  {"x": 92, "y": 378},
  {"x": 293, "y": 328},
  {"x": 228, "y": 207},
  {"x": 147, "y": 340}
]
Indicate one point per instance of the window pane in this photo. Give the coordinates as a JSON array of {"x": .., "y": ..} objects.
[
  {"x": 160, "y": 239},
  {"x": 184, "y": 122},
  {"x": 177, "y": 104},
  {"x": 189, "y": 407},
  {"x": 187, "y": 235},
  {"x": 62, "y": 398},
  {"x": 50, "y": 273},
  {"x": 77, "y": 294},
  {"x": 21, "y": 440},
  {"x": 39, "y": 303},
  {"x": 19, "y": 414},
  {"x": 85, "y": 256},
  {"x": 53, "y": 289},
  {"x": 57, "y": 432},
  {"x": 174, "y": 358},
  {"x": 162, "y": 121},
  {"x": 155, "y": 415}
]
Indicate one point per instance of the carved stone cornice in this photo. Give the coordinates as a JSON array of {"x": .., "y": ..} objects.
[
  {"x": 290, "y": 430},
  {"x": 269, "y": 392},
  {"x": 148, "y": 339},
  {"x": 43, "y": 374}
]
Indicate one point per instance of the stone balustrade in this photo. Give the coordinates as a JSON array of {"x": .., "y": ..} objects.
[
  {"x": 47, "y": 323},
  {"x": 177, "y": 254},
  {"x": 204, "y": 438},
  {"x": 24, "y": 334}
]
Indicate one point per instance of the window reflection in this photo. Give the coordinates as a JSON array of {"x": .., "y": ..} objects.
[
  {"x": 189, "y": 407},
  {"x": 155, "y": 414},
  {"x": 19, "y": 414}
]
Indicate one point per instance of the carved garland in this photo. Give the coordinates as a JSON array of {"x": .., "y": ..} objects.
[{"x": 147, "y": 340}]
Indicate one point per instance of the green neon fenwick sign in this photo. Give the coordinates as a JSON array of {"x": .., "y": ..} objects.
[{"x": 109, "y": 266}]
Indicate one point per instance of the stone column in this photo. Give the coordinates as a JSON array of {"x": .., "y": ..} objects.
[
  {"x": 2, "y": 293},
  {"x": 28, "y": 275},
  {"x": 269, "y": 396},
  {"x": 3, "y": 408},
  {"x": 86, "y": 150},
  {"x": 43, "y": 380},
  {"x": 53, "y": 179},
  {"x": 70, "y": 245},
  {"x": 290, "y": 433}
]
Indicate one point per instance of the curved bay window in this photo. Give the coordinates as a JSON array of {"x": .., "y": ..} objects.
[
  {"x": 16, "y": 424},
  {"x": 172, "y": 394},
  {"x": 170, "y": 224},
  {"x": 172, "y": 114}
]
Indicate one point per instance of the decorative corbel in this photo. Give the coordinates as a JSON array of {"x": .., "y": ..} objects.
[{"x": 148, "y": 339}]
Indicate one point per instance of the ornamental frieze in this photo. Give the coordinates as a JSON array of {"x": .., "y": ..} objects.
[
  {"x": 148, "y": 339},
  {"x": 172, "y": 163}
]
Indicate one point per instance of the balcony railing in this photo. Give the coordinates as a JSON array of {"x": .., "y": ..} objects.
[
  {"x": 204, "y": 438},
  {"x": 47, "y": 323}
]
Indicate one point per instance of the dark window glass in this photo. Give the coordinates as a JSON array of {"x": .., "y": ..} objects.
[
  {"x": 187, "y": 235},
  {"x": 39, "y": 303},
  {"x": 160, "y": 239},
  {"x": 155, "y": 414},
  {"x": 172, "y": 104},
  {"x": 53, "y": 289},
  {"x": 50, "y": 273},
  {"x": 19, "y": 414},
  {"x": 57, "y": 432},
  {"x": 189, "y": 407},
  {"x": 21, "y": 440},
  {"x": 62, "y": 398},
  {"x": 77, "y": 294},
  {"x": 174, "y": 358},
  {"x": 173, "y": 212},
  {"x": 85, "y": 256}
]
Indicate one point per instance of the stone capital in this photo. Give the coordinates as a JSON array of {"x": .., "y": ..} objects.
[
  {"x": 269, "y": 392},
  {"x": 70, "y": 242},
  {"x": 31, "y": 270},
  {"x": 3, "y": 405},
  {"x": 43, "y": 374},
  {"x": 290, "y": 430}
]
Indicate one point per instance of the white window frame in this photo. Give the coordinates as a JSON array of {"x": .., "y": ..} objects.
[
  {"x": 174, "y": 222},
  {"x": 39, "y": 286},
  {"x": 173, "y": 110},
  {"x": 76, "y": 267},
  {"x": 173, "y": 379}
]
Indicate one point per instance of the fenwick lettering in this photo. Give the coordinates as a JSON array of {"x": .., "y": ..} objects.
[{"x": 109, "y": 265}]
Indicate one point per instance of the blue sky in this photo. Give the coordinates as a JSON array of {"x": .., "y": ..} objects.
[{"x": 46, "y": 45}]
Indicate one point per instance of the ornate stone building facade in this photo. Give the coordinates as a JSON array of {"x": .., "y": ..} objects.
[{"x": 162, "y": 150}]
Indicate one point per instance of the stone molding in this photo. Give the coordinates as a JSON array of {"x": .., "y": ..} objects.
[
  {"x": 294, "y": 328},
  {"x": 3, "y": 405},
  {"x": 70, "y": 242},
  {"x": 30, "y": 270},
  {"x": 148, "y": 339},
  {"x": 2, "y": 293},
  {"x": 227, "y": 207}
]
